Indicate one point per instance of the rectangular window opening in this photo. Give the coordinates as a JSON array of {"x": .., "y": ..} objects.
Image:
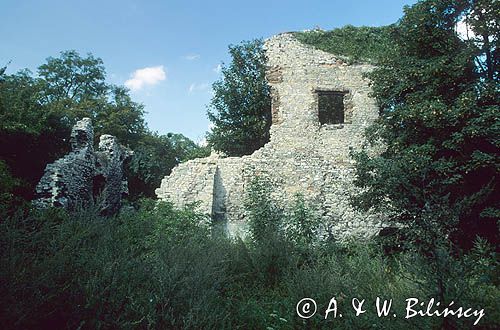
[{"x": 331, "y": 107}]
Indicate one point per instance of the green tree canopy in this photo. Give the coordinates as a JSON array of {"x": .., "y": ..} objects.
[
  {"x": 37, "y": 113},
  {"x": 241, "y": 106},
  {"x": 73, "y": 77},
  {"x": 154, "y": 157},
  {"x": 118, "y": 115},
  {"x": 439, "y": 124}
]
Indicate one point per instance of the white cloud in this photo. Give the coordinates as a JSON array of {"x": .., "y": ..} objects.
[
  {"x": 194, "y": 87},
  {"x": 218, "y": 68},
  {"x": 191, "y": 57},
  {"x": 146, "y": 76}
]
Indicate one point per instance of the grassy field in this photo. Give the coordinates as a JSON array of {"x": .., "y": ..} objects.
[{"x": 159, "y": 267}]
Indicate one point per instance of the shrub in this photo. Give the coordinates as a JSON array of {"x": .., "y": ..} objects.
[
  {"x": 264, "y": 215},
  {"x": 358, "y": 44},
  {"x": 160, "y": 267}
]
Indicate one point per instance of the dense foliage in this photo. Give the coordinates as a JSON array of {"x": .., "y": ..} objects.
[
  {"x": 155, "y": 266},
  {"x": 358, "y": 44},
  {"x": 240, "y": 109},
  {"x": 37, "y": 113},
  {"x": 439, "y": 103},
  {"x": 163, "y": 268}
]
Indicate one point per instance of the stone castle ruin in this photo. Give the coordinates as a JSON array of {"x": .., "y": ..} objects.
[
  {"x": 85, "y": 176},
  {"x": 320, "y": 109}
]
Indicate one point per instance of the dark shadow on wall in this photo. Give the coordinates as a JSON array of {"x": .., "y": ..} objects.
[{"x": 219, "y": 203}]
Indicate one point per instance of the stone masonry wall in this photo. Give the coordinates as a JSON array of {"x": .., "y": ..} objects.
[
  {"x": 302, "y": 155},
  {"x": 110, "y": 157},
  {"x": 85, "y": 176},
  {"x": 68, "y": 181}
]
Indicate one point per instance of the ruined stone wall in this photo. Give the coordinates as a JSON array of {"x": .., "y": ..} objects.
[
  {"x": 68, "y": 181},
  {"x": 85, "y": 176},
  {"x": 190, "y": 182},
  {"x": 302, "y": 156},
  {"x": 109, "y": 182}
]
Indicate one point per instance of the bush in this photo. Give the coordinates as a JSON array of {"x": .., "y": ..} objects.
[
  {"x": 264, "y": 215},
  {"x": 358, "y": 44},
  {"x": 81, "y": 270},
  {"x": 160, "y": 267}
]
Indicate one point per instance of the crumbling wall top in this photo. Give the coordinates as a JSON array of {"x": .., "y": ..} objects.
[
  {"x": 283, "y": 49},
  {"x": 82, "y": 134},
  {"x": 84, "y": 176}
]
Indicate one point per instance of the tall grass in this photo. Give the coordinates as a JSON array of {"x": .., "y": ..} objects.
[{"x": 159, "y": 267}]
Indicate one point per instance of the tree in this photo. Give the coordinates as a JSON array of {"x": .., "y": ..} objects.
[
  {"x": 152, "y": 160},
  {"x": 154, "y": 157},
  {"x": 186, "y": 149},
  {"x": 241, "y": 106},
  {"x": 118, "y": 115},
  {"x": 73, "y": 87},
  {"x": 481, "y": 17},
  {"x": 20, "y": 107},
  {"x": 72, "y": 77},
  {"x": 36, "y": 116},
  {"x": 30, "y": 133},
  {"x": 439, "y": 123}
]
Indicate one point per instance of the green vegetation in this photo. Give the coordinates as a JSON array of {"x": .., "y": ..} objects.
[
  {"x": 358, "y": 44},
  {"x": 158, "y": 267},
  {"x": 439, "y": 105},
  {"x": 240, "y": 109},
  {"x": 37, "y": 113},
  {"x": 155, "y": 156},
  {"x": 154, "y": 266},
  {"x": 438, "y": 173}
]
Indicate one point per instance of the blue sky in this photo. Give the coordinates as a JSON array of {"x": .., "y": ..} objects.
[{"x": 167, "y": 52}]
